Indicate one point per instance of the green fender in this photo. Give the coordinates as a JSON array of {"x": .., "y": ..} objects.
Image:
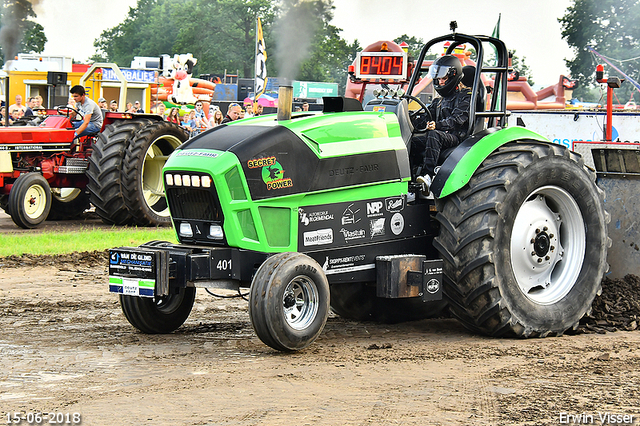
[{"x": 465, "y": 159}]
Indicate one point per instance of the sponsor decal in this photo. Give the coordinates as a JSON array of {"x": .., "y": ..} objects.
[
  {"x": 433, "y": 286},
  {"x": 353, "y": 235},
  {"x": 376, "y": 227},
  {"x": 307, "y": 218},
  {"x": 349, "y": 217},
  {"x": 394, "y": 204},
  {"x": 261, "y": 162},
  {"x": 344, "y": 264},
  {"x": 397, "y": 223},
  {"x": 318, "y": 238},
  {"x": 272, "y": 172},
  {"x": 379, "y": 108},
  {"x": 374, "y": 208}
]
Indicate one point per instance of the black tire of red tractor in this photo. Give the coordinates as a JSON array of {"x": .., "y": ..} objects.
[
  {"x": 69, "y": 208},
  {"x": 159, "y": 315},
  {"x": 105, "y": 171},
  {"x": 28, "y": 185},
  {"x": 359, "y": 302},
  {"x": 282, "y": 279},
  {"x": 142, "y": 181},
  {"x": 4, "y": 204},
  {"x": 484, "y": 252}
]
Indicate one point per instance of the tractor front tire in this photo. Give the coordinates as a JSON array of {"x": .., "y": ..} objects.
[
  {"x": 30, "y": 200},
  {"x": 142, "y": 181},
  {"x": 359, "y": 302},
  {"x": 289, "y": 301},
  {"x": 158, "y": 315},
  {"x": 524, "y": 243},
  {"x": 105, "y": 171}
]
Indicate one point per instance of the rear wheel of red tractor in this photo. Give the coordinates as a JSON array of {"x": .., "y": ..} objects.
[
  {"x": 30, "y": 200},
  {"x": 142, "y": 181},
  {"x": 105, "y": 171}
]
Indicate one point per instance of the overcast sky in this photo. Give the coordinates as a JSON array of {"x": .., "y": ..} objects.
[{"x": 529, "y": 27}]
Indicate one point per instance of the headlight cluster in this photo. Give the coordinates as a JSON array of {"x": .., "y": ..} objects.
[
  {"x": 186, "y": 230},
  {"x": 195, "y": 181}
]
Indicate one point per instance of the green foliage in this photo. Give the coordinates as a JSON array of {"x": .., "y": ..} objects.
[
  {"x": 221, "y": 35},
  {"x": 415, "y": 44},
  {"x": 520, "y": 65},
  {"x": 19, "y": 34},
  {"x": 308, "y": 47},
  {"x": 611, "y": 28}
]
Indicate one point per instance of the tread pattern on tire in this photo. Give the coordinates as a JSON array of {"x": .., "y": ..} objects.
[
  {"x": 105, "y": 169},
  {"x": 143, "y": 313},
  {"x": 134, "y": 157},
  {"x": 469, "y": 223}
]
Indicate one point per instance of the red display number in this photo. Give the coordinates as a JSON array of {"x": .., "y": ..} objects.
[{"x": 381, "y": 65}]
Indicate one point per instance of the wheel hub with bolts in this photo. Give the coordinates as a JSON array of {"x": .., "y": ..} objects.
[
  {"x": 300, "y": 302},
  {"x": 542, "y": 270}
]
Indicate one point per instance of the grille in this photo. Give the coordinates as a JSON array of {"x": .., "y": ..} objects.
[{"x": 194, "y": 203}]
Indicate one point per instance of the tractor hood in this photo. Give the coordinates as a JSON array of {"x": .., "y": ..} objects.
[{"x": 309, "y": 153}]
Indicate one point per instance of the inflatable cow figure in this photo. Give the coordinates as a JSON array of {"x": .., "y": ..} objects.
[{"x": 181, "y": 72}]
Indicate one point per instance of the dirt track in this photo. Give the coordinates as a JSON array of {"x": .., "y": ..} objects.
[{"x": 66, "y": 347}]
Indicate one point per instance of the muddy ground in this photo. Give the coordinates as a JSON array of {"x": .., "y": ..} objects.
[{"x": 65, "y": 347}]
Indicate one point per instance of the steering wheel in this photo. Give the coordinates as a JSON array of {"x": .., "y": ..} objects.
[
  {"x": 423, "y": 109},
  {"x": 66, "y": 110}
]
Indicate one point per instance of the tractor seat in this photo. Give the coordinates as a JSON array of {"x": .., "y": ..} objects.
[{"x": 468, "y": 74}]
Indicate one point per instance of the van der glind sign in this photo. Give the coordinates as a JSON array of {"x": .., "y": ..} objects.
[{"x": 132, "y": 76}]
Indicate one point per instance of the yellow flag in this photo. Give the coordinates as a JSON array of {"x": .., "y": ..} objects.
[{"x": 261, "y": 62}]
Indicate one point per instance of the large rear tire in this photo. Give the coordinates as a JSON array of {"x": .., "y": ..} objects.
[
  {"x": 158, "y": 315},
  {"x": 524, "y": 243},
  {"x": 289, "y": 301},
  {"x": 105, "y": 171},
  {"x": 142, "y": 181},
  {"x": 30, "y": 200},
  {"x": 358, "y": 301},
  {"x": 68, "y": 203}
]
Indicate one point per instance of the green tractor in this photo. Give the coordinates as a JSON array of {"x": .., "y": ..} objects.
[{"x": 320, "y": 211}]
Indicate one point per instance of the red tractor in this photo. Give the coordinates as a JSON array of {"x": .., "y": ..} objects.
[{"x": 46, "y": 173}]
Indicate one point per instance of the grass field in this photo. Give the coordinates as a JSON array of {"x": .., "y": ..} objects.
[{"x": 82, "y": 240}]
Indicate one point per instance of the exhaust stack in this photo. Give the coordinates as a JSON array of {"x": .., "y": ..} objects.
[{"x": 285, "y": 101}]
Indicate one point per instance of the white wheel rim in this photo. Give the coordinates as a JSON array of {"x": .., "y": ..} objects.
[
  {"x": 548, "y": 245},
  {"x": 300, "y": 302},
  {"x": 35, "y": 201},
  {"x": 152, "y": 184}
]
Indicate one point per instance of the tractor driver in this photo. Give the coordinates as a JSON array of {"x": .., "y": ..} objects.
[
  {"x": 92, "y": 115},
  {"x": 447, "y": 122}
]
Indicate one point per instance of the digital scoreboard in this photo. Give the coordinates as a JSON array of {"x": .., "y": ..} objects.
[{"x": 381, "y": 66}]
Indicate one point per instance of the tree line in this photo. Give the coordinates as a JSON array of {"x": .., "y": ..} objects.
[{"x": 301, "y": 41}]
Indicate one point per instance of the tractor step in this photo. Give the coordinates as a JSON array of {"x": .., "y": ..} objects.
[{"x": 74, "y": 166}]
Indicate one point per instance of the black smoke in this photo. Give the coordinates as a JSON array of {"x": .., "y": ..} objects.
[{"x": 14, "y": 15}]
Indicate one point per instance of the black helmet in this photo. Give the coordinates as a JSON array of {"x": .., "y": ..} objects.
[{"x": 449, "y": 67}]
